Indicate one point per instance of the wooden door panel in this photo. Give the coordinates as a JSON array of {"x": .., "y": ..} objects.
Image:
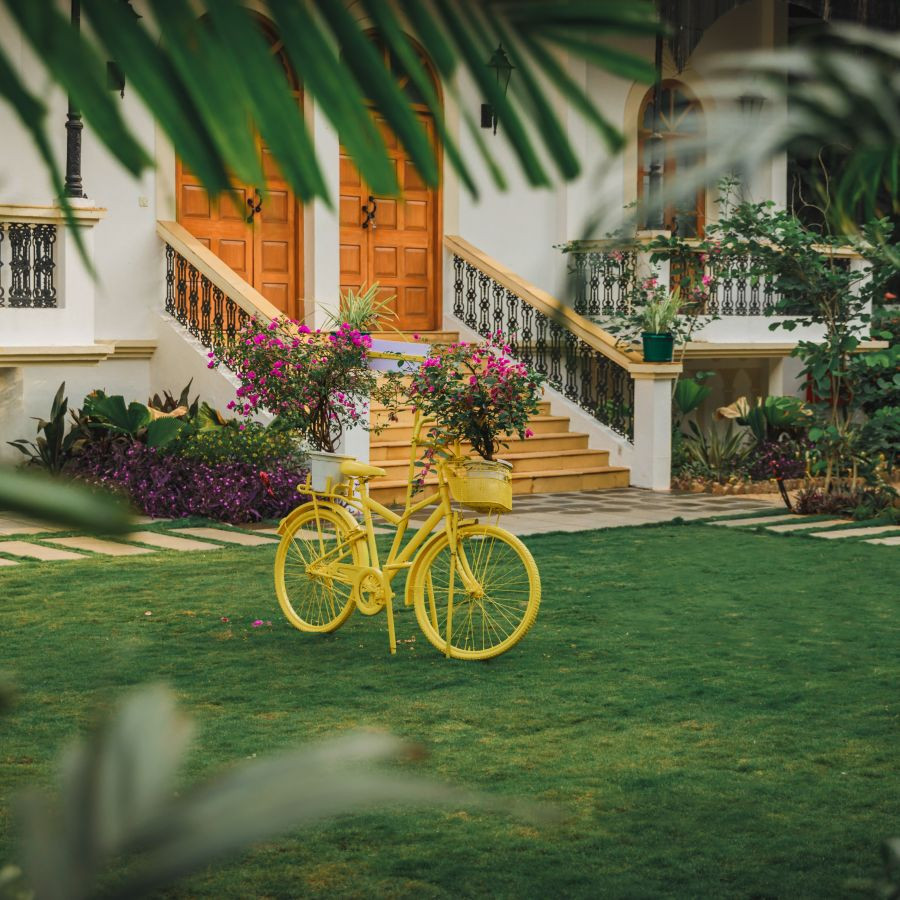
[
  {"x": 265, "y": 253},
  {"x": 385, "y": 264},
  {"x": 277, "y": 242},
  {"x": 415, "y": 262},
  {"x": 400, "y": 251}
]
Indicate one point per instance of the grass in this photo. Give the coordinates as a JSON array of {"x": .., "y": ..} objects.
[{"x": 717, "y": 713}]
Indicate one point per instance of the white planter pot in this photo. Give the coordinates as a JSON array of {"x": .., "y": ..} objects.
[
  {"x": 325, "y": 467},
  {"x": 393, "y": 365}
]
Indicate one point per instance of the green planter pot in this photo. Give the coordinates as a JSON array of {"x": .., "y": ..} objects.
[{"x": 658, "y": 347}]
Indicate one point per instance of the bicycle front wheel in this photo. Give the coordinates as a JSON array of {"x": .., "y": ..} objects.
[
  {"x": 483, "y": 598},
  {"x": 312, "y": 601}
]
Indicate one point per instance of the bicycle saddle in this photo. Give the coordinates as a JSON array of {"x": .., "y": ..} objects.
[{"x": 354, "y": 469}]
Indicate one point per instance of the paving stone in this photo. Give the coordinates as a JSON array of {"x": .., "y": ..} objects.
[
  {"x": 890, "y": 541},
  {"x": 756, "y": 520},
  {"x": 170, "y": 542},
  {"x": 857, "y": 532},
  {"x": 148, "y": 520},
  {"x": 98, "y": 545},
  {"x": 800, "y": 526},
  {"x": 221, "y": 534},
  {"x": 10, "y": 525},
  {"x": 37, "y": 551}
]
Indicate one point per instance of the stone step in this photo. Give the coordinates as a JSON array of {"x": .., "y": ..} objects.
[
  {"x": 379, "y": 414},
  {"x": 535, "y": 461},
  {"x": 549, "y": 481},
  {"x": 383, "y": 448},
  {"x": 422, "y": 337},
  {"x": 538, "y": 424}
]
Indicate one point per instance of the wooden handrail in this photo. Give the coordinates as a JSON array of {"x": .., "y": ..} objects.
[
  {"x": 250, "y": 300},
  {"x": 593, "y": 335},
  {"x": 642, "y": 239}
]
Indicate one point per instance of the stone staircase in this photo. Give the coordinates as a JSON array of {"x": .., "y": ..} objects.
[{"x": 555, "y": 459}]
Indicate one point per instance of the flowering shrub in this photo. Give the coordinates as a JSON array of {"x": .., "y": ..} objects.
[
  {"x": 311, "y": 381},
  {"x": 475, "y": 392},
  {"x": 164, "y": 485}
]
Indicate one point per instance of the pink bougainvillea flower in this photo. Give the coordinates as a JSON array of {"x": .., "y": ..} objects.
[{"x": 257, "y": 623}]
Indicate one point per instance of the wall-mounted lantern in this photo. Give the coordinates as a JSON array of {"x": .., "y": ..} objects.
[
  {"x": 502, "y": 67},
  {"x": 115, "y": 77}
]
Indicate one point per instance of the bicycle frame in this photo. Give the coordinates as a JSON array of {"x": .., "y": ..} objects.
[{"x": 399, "y": 556}]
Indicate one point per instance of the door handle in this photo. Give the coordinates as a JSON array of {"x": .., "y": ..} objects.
[
  {"x": 370, "y": 213},
  {"x": 255, "y": 204}
]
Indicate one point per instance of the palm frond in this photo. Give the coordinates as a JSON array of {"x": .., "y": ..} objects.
[{"x": 206, "y": 74}]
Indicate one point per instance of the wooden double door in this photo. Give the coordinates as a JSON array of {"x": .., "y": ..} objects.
[
  {"x": 393, "y": 241},
  {"x": 260, "y": 237},
  {"x": 385, "y": 239}
]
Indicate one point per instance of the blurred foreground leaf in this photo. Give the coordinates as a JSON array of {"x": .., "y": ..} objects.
[
  {"x": 117, "y": 800},
  {"x": 62, "y": 502}
]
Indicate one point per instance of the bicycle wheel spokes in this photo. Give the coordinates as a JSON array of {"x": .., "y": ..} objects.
[
  {"x": 312, "y": 598},
  {"x": 494, "y": 593}
]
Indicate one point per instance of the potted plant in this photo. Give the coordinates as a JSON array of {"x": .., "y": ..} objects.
[
  {"x": 312, "y": 382},
  {"x": 658, "y": 320},
  {"x": 475, "y": 392},
  {"x": 362, "y": 310}
]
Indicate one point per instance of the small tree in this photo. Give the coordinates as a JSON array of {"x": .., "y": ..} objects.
[{"x": 816, "y": 285}]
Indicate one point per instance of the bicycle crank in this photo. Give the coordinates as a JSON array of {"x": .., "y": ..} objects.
[{"x": 369, "y": 590}]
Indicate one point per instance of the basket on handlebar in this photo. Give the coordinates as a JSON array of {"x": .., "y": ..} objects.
[{"x": 481, "y": 484}]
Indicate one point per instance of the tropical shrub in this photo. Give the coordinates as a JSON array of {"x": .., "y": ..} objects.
[
  {"x": 769, "y": 418},
  {"x": 253, "y": 444},
  {"x": 476, "y": 393},
  {"x": 861, "y": 502},
  {"x": 315, "y": 384},
  {"x": 714, "y": 454},
  {"x": 781, "y": 459},
  {"x": 53, "y": 447}
]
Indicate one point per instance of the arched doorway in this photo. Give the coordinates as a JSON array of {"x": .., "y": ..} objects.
[
  {"x": 395, "y": 241},
  {"x": 680, "y": 119},
  {"x": 260, "y": 238}
]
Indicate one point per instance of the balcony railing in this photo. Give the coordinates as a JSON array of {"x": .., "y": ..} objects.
[
  {"x": 605, "y": 275},
  {"x": 27, "y": 265}
]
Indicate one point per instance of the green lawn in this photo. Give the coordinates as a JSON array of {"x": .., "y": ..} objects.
[{"x": 716, "y": 712}]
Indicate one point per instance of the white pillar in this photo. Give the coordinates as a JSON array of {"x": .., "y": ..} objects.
[
  {"x": 652, "y": 464},
  {"x": 322, "y": 230}
]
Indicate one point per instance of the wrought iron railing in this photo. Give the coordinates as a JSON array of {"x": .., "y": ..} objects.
[
  {"x": 199, "y": 305},
  {"x": 604, "y": 280},
  {"x": 27, "y": 265},
  {"x": 579, "y": 371}
]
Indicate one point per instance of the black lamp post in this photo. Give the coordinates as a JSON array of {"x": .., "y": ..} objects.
[
  {"x": 502, "y": 67},
  {"x": 655, "y": 220},
  {"x": 73, "y": 186}
]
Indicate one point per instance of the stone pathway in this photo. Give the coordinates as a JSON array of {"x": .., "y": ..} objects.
[
  {"x": 817, "y": 527},
  {"x": 22, "y": 539},
  {"x": 39, "y": 541}
]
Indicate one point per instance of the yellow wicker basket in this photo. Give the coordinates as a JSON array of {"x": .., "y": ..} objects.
[{"x": 481, "y": 484}]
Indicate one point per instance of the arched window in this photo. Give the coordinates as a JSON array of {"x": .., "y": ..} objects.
[{"x": 680, "y": 118}]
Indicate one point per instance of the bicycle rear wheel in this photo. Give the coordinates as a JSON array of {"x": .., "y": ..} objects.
[
  {"x": 314, "y": 602},
  {"x": 488, "y": 612}
]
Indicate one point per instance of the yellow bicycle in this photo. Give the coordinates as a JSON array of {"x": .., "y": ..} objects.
[{"x": 475, "y": 587}]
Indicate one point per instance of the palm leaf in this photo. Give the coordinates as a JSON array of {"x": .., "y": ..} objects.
[{"x": 206, "y": 75}]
